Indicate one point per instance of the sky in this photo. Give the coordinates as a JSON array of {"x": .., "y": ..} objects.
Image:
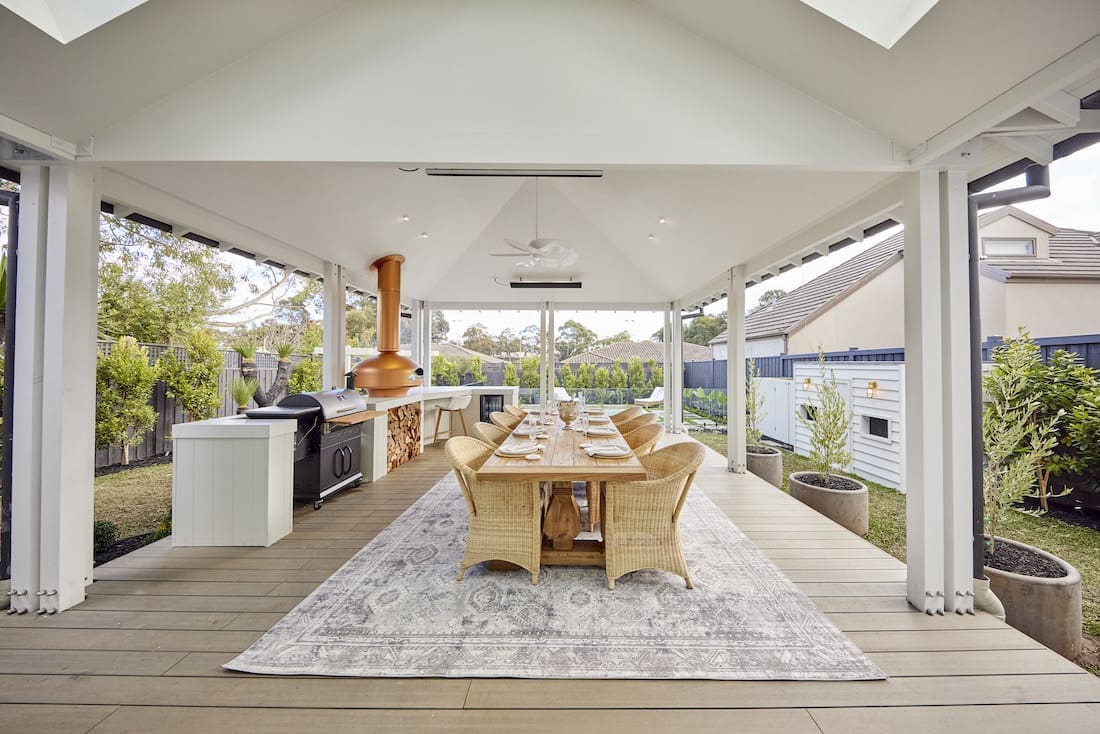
[{"x": 1074, "y": 204}]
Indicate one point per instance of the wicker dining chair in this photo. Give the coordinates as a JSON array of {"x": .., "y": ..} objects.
[
  {"x": 489, "y": 433},
  {"x": 636, "y": 423},
  {"x": 641, "y": 520},
  {"x": 627, "y": 415},
  {"x": 503, "y": 420},
  {"x": 641, "y": 441},
  {"x": 515, "y": 412},
  {"x": 505, "y": 517}
]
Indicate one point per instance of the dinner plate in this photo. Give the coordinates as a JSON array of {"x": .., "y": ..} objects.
[
  {"x": 518, "y": 449},
  {"x": 609, "y": 452}
]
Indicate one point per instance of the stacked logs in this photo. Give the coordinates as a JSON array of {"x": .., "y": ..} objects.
[{"x": 403, "y": 439}]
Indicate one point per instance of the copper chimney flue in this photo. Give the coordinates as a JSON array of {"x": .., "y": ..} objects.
[{"x": 387, "y": 375}]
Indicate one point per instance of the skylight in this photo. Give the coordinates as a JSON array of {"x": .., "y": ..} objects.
[
  {"x": 882, "y": 21},
  {"x": 66, "y": 20}
]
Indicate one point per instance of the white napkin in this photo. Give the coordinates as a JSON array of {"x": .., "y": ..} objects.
[
  {"x": 600, "y": 431},
  {"x": 519, "y": 449},
  {"x": 598, "y": 419},
  {"x": 610, "y": 451}
]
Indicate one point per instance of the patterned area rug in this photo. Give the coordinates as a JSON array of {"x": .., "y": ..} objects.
[{"x": 395, "y": 609}]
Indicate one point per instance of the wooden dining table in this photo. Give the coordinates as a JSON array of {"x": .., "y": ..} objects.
[{"x": 561, "y": 462}]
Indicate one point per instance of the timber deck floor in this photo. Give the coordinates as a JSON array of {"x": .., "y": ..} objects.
[{"x": 144, "y": 652}]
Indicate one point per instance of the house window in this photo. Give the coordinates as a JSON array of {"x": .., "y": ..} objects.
[
  {"x": 1008, "y": 247},
  {"x": 876, "y": 426},
  {"x": 809, "y": 412}
]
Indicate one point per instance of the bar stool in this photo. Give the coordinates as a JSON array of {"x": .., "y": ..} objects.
[{"x": 455, "y": 405}]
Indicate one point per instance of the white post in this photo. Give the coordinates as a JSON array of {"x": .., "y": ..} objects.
[
  {"x": 666, "y": 366},
  {"x": 551, "y": 352},
  {"x": 676, "y": 381},
  {"x": 425, "y": 358},
  {"x": 334, "y": 335},
  {"x": 735, "y": 370},
  {"x": 958, "y": 500},
  {"x": 26, "y": 459},
  {"x": 68, "y": 379},
  {"x": 543, "y": 397},
  {"x": 937, "y": 389},
  {"x": 417, "y": 331}
]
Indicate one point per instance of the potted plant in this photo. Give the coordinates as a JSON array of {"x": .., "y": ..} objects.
[
  {"x": 1040, "y": 592},
  {"x": 763, "y": 461},
  {"x": 841, "y": 499},
  {"x": 242, "y": 389}
]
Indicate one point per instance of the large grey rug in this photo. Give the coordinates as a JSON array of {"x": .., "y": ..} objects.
[{"x": 395, "y": 609}]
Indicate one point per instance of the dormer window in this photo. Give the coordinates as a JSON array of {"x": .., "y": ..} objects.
[{"x": 1008, "y": 247}]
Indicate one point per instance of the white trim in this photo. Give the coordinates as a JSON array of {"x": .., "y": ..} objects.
[
  {"x": 334, "y": 326},
  {"x": 736, "y": 436}
]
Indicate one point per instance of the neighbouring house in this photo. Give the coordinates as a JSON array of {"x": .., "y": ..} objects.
[
  {"x": 1033, "y": 274},
  {"x": 450, "y": 350},
  {"x": 625, "y": 351}
]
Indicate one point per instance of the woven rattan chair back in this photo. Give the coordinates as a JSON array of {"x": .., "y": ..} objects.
[
  {"x": 641, "y": 519},
  {"x": 515, "y": 412},
  {"x": 505, "y": 517},
  {"x": 503, "y": 420},
  {"x": 643, "y": 440},
  {"x": 636, "y": 423},
  {"x": 627, "y": 415},
  {"x": 489, "y": 433}
]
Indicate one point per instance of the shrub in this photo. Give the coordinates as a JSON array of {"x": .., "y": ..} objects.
[
  {"x": 829, "y": 428},
  {"x": 618, "y": 377},
  {"x": 193, "y": 382},
  {"x": 306, "y": 376},
  {"x": 1015, "y": 438},
  {"x": 567, "y": 378},
  {"x": 1084, "y": 433},
  {"x": 529, "y": 372},
  {"x": 656, "y": 374},
  {"x": 754, "y": 406},
  {"x": 124, "y": 381},
  {"x": 242, "y": 389},
  {"x": 444, "y": 371},
  {"x": 511, "y": 377},
  {"x": 163, "y": 528},
  {"x": 104, "y": 534}
]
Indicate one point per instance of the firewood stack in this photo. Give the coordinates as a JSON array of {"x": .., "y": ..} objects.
[{"x": 403, "y": 441}]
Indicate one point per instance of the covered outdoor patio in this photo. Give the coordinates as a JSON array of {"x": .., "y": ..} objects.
[
  {"x": 674, "y": 153},
  {"x": 144, "y": 651}
]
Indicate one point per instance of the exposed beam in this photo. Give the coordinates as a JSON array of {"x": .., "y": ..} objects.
[
  {"x": 1080, "y": 63},
  {"x": 43, "y": 142},
  {"x": 1034, "y": 147},
  {"x": 1060, "y": 106}
]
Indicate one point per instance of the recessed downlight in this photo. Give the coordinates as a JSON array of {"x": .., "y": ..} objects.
[
  {"x": 423, "y": 235},
  {"x": 404, "y": 217},
  {"x": 651, "y": 236},
  {"x": 661, "y": 220}
]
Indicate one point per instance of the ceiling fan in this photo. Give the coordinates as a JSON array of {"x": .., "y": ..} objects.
[{"x": 541, "y": 252}]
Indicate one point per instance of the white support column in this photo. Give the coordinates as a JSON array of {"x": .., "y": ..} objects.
[
  {"x": 68, "y": 379},
  {"x": 334, "y": 337},
  {"x": 417, "y": 331},
  {"x": 425, "y": 357},
  {"x": 551, "y": 352},
  {"x": 937, "y": 406},
  {"x": 666, "y": 366},
  {"x": 26, "y": 510},
  {"x": 958, "y": 499},
  {"x": 543, "y": 395},
  {"x": 735, "y": 370},
  {"x": 676, "y": 383}
]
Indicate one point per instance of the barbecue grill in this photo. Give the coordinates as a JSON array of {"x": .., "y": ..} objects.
[{"x": 327, "y": 447}]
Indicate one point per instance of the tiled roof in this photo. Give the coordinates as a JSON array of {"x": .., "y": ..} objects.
[
  {"x": 778, "y": 318},
  {"x": 647, "y": 350},
  {"x": 1074, "y": 254},
  {"x": 451, "y": 350}
]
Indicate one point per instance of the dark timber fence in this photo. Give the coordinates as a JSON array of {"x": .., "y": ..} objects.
[
  {"x": 712, "y": 375},
  {"x": 158, "y": 441}
]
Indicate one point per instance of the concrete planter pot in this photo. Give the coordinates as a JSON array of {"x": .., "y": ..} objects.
[
  {"x": 847, "y": 507},
  {"x": 766, "y": 463},
  {"x": 1046, "y": 610}
]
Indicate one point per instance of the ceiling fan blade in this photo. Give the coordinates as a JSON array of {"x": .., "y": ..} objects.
[{"x": 524, "y": 248}]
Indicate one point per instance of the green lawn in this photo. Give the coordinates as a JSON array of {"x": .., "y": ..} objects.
[
  {"x": 1078, "y": 546},
  {"x": 134, "y": 499}
]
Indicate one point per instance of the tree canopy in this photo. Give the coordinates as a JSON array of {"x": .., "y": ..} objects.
[{"x": 573, "y": 338}]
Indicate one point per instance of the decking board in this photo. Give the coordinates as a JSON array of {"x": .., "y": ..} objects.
[{"x": 144, "y": 652}]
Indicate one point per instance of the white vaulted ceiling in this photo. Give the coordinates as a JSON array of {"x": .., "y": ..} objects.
[{"x": 279, "y": 126}]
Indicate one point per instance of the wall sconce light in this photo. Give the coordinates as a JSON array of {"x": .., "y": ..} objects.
[
  {"x": 808, "y": 384},
  {"x": 872, "y": 388}
]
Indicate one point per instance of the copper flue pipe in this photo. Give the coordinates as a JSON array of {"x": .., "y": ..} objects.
[{"x": 389, "y": 301}]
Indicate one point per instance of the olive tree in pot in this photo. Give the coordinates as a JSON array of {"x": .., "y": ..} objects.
[
  {"x": 1040, "y": 592},
  {"x": 838, "y": 498},
  {"x": 763, "y": 461}
]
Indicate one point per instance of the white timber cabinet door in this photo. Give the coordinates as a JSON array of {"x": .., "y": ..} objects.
[{"x": 232, "y": 482}]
